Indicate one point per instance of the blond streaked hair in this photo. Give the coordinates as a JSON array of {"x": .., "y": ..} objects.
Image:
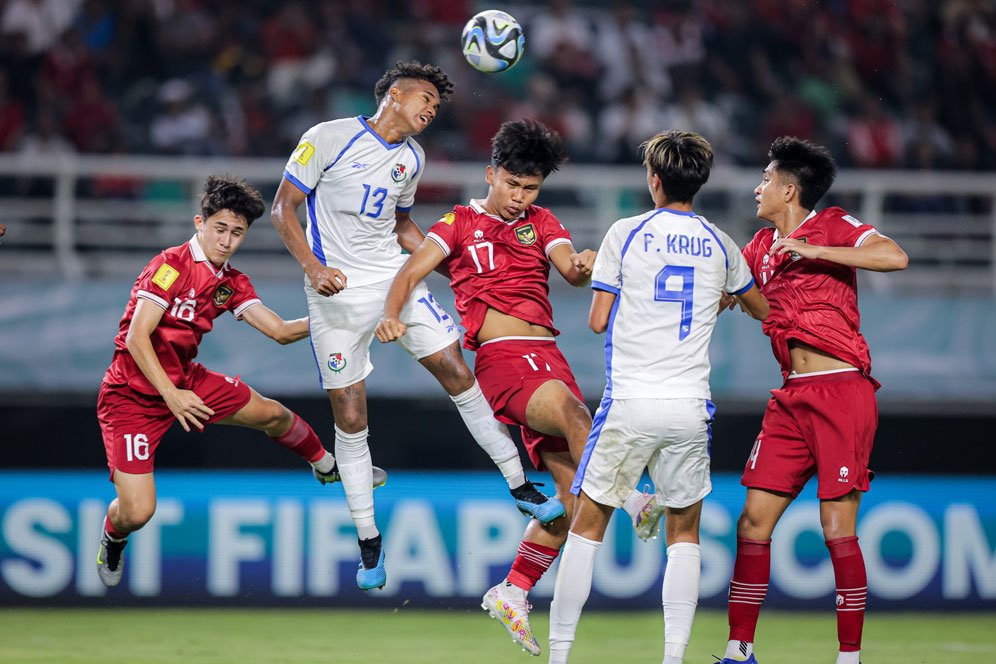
[{"x": 681, "y": 159}]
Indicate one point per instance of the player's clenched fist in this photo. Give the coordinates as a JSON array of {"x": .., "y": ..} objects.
[
  {"x": 326, "y": 280},
  {"x": 390, "y": 329},
  {"x": 584, "y": 261}
]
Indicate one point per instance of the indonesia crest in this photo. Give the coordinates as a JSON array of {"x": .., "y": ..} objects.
[
  {"x": 337, "y": 362},
  {"x": 398, "y": 173},
  {"x": 222, "y": 294},
  {"x": 525, "y": 234}
]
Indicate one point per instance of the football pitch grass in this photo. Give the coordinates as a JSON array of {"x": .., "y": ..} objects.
[{"x": 292, "y": 636}]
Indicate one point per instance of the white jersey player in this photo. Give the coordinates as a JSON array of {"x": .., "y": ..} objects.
[
  {"x": 357, "y": 177},
  {"x": 658, "y": 280}
]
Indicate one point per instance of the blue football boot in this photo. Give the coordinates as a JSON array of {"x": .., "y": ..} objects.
[
  {"x": 372, "y": 573},
  {"x": 749, "y": 660},
  {"x": 534, "y": 504}
]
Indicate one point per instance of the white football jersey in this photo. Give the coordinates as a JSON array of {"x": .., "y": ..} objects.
[
  {"x": 355, "y": 182},
  {"x": 668, "y": 270}
]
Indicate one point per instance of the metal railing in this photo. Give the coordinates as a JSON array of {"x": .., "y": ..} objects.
[{"x": 97, "y": 215}]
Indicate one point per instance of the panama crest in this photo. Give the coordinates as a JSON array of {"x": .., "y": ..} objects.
[
  {"x": 337, "y": 362},
  {"x": 525, "y": 234},
  {"x": 398, "y": 173}
]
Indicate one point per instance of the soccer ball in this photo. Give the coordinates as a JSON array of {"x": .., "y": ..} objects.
[{"x": 492, "y": 41}]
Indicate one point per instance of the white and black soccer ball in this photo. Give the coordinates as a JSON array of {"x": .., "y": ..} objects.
[{"x": 492, "y": 41}]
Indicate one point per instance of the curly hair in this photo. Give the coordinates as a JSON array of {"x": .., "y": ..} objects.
[
  {"x": 527, "y": 147},
  {"x": 810, "y": 164},
  {"x": 230, "y": 193},
  {"x": 418, "y": 71},
  {"x": 681, "y": 159}
]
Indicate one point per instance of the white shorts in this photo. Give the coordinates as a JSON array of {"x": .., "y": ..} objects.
[
  {"x": 342, "y": 329},
  {"x": 668, "y": 437}
]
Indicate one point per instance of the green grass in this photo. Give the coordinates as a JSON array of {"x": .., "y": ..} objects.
[{"x": 292, "y": 636}]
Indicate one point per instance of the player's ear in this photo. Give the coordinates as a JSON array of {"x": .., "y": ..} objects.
[
  {"x": 198, "y": 222},
  {"x": 489, "y": 175}
]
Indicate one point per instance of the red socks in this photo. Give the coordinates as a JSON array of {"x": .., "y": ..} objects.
[
  {"x": 852, "y": 588},
  {"x": 112, "y": 531},
  {"x": 302, "y": 440},
  {"x": 530, "y": 563},
  {"x": 748, "y": 587}
]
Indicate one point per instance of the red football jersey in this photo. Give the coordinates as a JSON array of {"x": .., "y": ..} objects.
[
  {"x": 500, "y": 264},
  {"x": 814, "y": 301},
  {"x": 193, "y": 293}
]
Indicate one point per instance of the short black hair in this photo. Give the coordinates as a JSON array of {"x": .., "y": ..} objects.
[
  {"x": 810, "y": 164},
  {"x": 225, "y": 192},
  {"x": 682, "y": 160},
  {"x": 527, "y": 147},
  {"x": 418, "y": 71}
]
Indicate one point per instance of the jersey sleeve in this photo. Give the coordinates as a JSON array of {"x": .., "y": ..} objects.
[
  {"x": 244, "y": 296},
  {"x": 607, "y": 273},
  {"x": 554, "y": 233},
  {"x": 738, "y": 276},
  {"x": 308, "y": 161},
  {"x": 444, "y": 233},
  {"x": 161, "y": 280},
  {"x": 407, "y": 198},
  {"x": 843, "y": 230}
]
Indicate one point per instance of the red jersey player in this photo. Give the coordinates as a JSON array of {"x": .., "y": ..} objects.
[
  {"x": 498, "y": 252},
  {"x": 822, "y": 420},
  {"x": 153, "y": 379}
]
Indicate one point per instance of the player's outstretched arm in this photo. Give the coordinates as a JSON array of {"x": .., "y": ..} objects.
[
  {"x": 272, "y": 325},
  {"x": 423, "y": 260},
  {"x": 325, "y": 280},
  {"x": 878, "y": 253},
  {"x": 574, "y": 267},
  {"x": 754, "y": 303},
  {"x": 186, "y": 406},
  {"x": 601, "y": 308},
  {"x": 410, "y": 236}
]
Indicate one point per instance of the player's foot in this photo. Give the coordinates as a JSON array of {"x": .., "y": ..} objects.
[
  {"x": 372, "y": 573},
  {"x": 109, "y": 560},
  {"x": 331, "y": 477},
  {"x": 727, "y": 660},
  {"x": 647, "y": 522},
  {"x": 507, "y": 604},
  {"x": 534, "y": 504}
]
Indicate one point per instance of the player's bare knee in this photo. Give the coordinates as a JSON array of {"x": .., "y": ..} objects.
[
  {"x": 134, "y": 515},
  {"x": 752, "y": 526}
]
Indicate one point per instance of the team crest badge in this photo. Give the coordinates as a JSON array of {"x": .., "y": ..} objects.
[
  {"x": 222, "y": 294},
  {"x": 337, "y": 362},
  {"x": 525, "y": 234},
  {"x": 793, "y": 254},
  {"x": 399, "y": 172}
]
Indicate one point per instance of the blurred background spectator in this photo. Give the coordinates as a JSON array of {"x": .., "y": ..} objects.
[{"x": 888, "y": 84}]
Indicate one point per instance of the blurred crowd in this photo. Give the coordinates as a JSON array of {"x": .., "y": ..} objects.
[{"x": 886, "y": 83}]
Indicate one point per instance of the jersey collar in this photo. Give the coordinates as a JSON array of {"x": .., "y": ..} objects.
[
  {"x": 366, "y": 125},
  {"x": 812, "y": 214},
  {"x": 478, "y": 206},
  {"x": 197, "y": 251}
]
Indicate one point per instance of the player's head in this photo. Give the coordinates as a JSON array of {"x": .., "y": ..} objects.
[
  {"x": 228, "y": 207},
  {"x": 523, "y": 153},
  {"x": 413, "y": 91},
  {"x": 801, "y": 170},
  {"x": 678, "y": 164}
]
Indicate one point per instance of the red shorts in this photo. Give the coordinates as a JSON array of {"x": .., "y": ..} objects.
[
  {"x": 133, "y": 423},
  {"x": 816, "y": 424},
  {"x": 509, "y": 371}
]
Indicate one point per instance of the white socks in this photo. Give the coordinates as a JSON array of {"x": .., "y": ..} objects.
[
  {"x": 680, "y": 596},
  {"x": 849, "y": 657},
  {"x": 490, "y": 434},
  {"x": 356, "y": 472},
  {"x": 326, "y": 463},
  {"x": 739, "y": 651},
  {"x": 577, "y": 563}
]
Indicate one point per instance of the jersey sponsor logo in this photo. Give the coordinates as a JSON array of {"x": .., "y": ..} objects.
[
  {"x": 222, "y": 294},
  {"x": 303, "y": 153},
  {"x": 360, "y": 167},
  {"x": 398, "y": 173},
  {"x": 525, "y": 234},
  {"x": 165, "y": 276},
  {"x": 336, "y": 362},
  {"x": 478, "y": 235},
  {"x": 448, "y": 218},
  {"x": 844, "y": 472}
]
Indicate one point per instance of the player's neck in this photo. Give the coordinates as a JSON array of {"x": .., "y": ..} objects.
[
  {"x": 790, "y": 219},
  {"x": 663, "y": 203},
  {"x": 388, "y": 127}
]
